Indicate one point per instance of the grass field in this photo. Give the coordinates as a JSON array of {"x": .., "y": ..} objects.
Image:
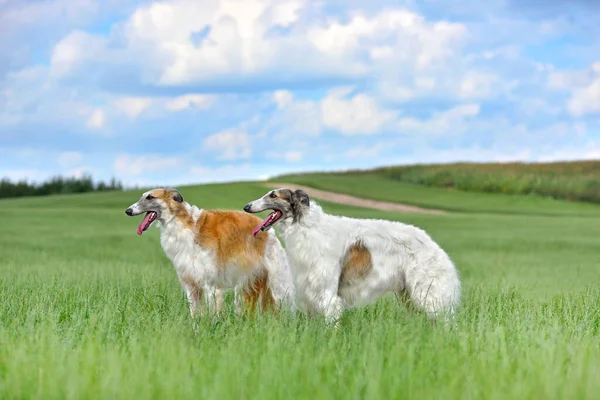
[
  {"x": 572, "y": 180},
  {"x": 90, "y": 310}
]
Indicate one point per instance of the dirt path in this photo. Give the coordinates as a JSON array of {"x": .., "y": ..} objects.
[{"x": 356, "y": 201}]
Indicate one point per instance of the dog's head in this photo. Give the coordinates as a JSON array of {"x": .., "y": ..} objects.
[
  {"x": 158, "y": 203},
  {"x": 286, "y": 204}
]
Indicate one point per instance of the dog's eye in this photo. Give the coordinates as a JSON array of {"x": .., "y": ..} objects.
[
  {"x": 149, "y": 197},
  {"x": 272, "y": 195}
]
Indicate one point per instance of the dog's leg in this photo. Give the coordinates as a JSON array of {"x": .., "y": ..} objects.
[
  {"x": 213, "y": 299},
  {"x": 194, "y": 297},
  {"x": 219, "y": 300},
  {"x": 333, "y": 308},
  {"x": 238, "y": 292},
  {"x": 436, "y": 299},
  {"x": 251, "y": 293}
]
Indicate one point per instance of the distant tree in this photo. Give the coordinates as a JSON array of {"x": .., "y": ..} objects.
[{"x": 56, "y": 185}]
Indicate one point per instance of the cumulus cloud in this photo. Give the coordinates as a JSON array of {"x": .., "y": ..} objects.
[
  {"x": 282, "y": 98},
  {"x": 360, "y": 114},
  {"x": 318, "y": 84},
  {"x": 355, "y": 114},
  {"x": 131, "y": 166},
  {"x": 292, "y": 156},
  {"x": 29, "y": 175},
  {"x": 449, "y": 122},
  {"x": 73, "y": 51},
  {"x": 583, "y": 86},
  {"x": 97, "y": 119},
  {"x": 211, "y": 43},
  {"x": 390, "y": 36},
  {"x": 586, "y": 99},
  {"x": 340, "y": 110},
  {"x": 132, "y": 107},
  {"x": 229, "y": 145},
  {"x": 293, "y": 118},
  {"x": 198, "y": 101}
]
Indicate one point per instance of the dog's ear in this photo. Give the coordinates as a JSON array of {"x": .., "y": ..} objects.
[
  {"x": 300, "y": 197},
  {"x": 177, "y": 196}
]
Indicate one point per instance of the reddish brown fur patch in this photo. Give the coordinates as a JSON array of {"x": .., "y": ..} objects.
[
  {"x": 228, "y": 235},
  {"x": 356, "y": 264},
  {"x": 168, "y": 196},
  {"x": 259, "y": 290}
]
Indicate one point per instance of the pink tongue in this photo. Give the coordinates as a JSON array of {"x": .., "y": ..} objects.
[
  {"x": 145, "y": 223},
  {"x": 259, "y": 227},
  {"x": 263, "y": 223}
]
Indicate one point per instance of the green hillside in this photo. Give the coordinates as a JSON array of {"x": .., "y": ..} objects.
[
  {"x": 92, "y": 310},
  {"x": 573, "y": 181}
]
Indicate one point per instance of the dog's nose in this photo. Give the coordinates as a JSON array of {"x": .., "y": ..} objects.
[
  {"x": 247, "y": 207},
  {"x": 129, "y": 212}
]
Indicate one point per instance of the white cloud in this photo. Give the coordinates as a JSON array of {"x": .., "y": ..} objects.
[
  {"x": 591, "y": 151},
  {"x": 29, "y": 175},
  {"x": 294, "y": 117},
  {"x": 69, "y": 158},
  {"x": 392, "y": 35},
  {"x": 339, "y": 110},
  {"x": 363, "y": 152},
  {"x": 97, "y": 119},
  {"x": 447, "y": 122},
  {"x": 293, "y": 156},
  {"x": 194, "y": 42},
  {"x": 229, "y": 145},
  {"x": 198, "y": 101},
  {"x": 282, "y": 98},
  {"x": 133, "y": 166},
  {"x": 132, "y": 107},
  {"x": 584, "y": 86},
  {"x": 237, "y": 42},
  {"x": 477, "y": 85},
  {"x": 73, "y": 50},
  {"x": 358, "y": 115},
  {"x": 361, "y": 114},
  {"x": 226, "y": 173},
  {"x": 586, "y": 100},
  {"x": 233, "y": 172},
  {"x": 569, "y": 80}
]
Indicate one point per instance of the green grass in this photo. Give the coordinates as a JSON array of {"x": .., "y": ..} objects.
[
  {"x": 90, "y": 310},
  {"x": 379, "y": 187},
  {"x": 572, "y": 180}
]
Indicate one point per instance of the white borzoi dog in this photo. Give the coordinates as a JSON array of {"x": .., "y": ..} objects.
[
  {"x": 340, "y": 262},
  {"x": 215, "y": 250}
]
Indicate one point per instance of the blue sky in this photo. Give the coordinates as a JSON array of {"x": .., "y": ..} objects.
[{"x": 175, "y": 92}]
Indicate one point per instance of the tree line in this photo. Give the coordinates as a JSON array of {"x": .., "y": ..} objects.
[{"x": 56, "y": 185}]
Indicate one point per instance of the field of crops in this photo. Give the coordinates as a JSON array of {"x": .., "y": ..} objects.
[
  {"x": 91, "y": 310},
  {"x": 577, "y": 181}
]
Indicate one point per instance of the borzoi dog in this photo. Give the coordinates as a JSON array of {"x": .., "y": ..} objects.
[
  {"x": 342, "y": 262},
  {"x": 215, "y": 250}
]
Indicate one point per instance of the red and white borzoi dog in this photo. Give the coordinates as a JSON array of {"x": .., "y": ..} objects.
[
  {"x": 341, "y": 262},
  {"x": 214, "y": 250}
]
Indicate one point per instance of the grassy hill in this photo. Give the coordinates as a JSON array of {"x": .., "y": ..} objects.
[
  {"x": 91, "y": 310},
  {"x": 574, "y": 181}
]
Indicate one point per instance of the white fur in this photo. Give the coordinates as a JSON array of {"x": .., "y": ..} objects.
[
  {"x": 197, "y": 270},
  {"x": 406, "y": 261}
]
